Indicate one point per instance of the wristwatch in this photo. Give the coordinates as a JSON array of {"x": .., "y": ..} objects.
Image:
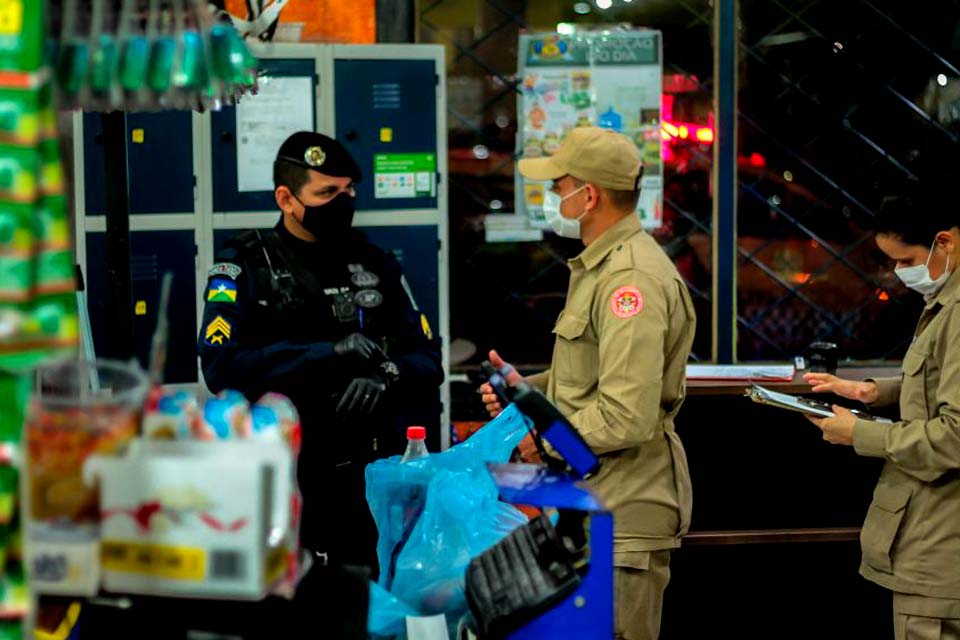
[{"x": 390, "y": 371}]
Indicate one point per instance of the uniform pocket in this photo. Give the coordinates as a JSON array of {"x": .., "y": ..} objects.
[
  {"x": 575, "y": 355},
  {"x": 913, "y": 390},
  {"x": 913, "y": 362},
  {"x": 681, "y": 475},
  {"x": 570, "y": 327},
  {"x": 882, "y": 525}
]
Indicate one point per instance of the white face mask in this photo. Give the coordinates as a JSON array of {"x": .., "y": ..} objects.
[
  {"x": 563, "y": 227},
  {"x": 918, "y": 277}
]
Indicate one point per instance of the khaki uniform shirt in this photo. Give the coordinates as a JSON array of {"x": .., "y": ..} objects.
[
  {"x": 618, "y": 374},
  {"x": 911, "y": 537}
]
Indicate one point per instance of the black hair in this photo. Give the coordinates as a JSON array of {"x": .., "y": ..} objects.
[
  {"x": 622, "y": 200},
  {"x": 915, "y": 220},
  {"x": 290, "y": 175}
]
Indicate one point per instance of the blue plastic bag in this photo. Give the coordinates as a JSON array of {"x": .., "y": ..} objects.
[
  {"x": 462, "y": 518},
  {"x": 435, "y": 514},
  {"x": 386, "y": 614}
]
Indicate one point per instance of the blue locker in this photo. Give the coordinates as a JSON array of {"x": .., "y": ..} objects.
[
  {"x": 152, "y": 254},
  {"x": 386, "y": 107},
  {"x": 159, "y": 160},
  {"x": 223, "y": 125}
]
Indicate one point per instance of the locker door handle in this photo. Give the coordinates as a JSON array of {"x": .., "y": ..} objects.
[{"x": 226, "y": 136}]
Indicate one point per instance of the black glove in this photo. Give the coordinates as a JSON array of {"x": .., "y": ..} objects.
[
  {"x": 360, "y": 346},
  {"x": 361, "y": 397}
]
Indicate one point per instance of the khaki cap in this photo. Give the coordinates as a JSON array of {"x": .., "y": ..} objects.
[{"x": 599, "y": 156}]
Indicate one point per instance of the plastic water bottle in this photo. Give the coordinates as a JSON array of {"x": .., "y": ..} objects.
[
  {"x": 416, "y": 444},
  {"x": 407, "y": 504}
]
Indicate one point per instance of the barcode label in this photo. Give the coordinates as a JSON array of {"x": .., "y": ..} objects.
[{"x": 227, "y": 565}]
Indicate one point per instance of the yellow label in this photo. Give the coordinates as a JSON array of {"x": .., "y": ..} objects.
[
  {"x": 161, "y": 561},
  {"x": 533, "y": 193},
  {"x": 137, "y": 135},
  {"x": 141, "y": 308},
  {"x": 386, "y": 134},
  {"x": 11, "y": 17},
  {"x": 275, "y": 564}
]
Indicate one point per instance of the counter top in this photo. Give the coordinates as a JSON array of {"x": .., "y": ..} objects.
[{"x": 797, "y": 385}]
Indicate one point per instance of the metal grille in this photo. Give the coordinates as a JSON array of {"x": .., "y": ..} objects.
[
  {"x": 830, "y": 116},
  {"x": 830, "y": 122},
  {"x": 508, "y": 295}
]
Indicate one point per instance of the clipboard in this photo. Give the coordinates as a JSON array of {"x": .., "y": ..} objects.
[{"x": 814, "y": 408}]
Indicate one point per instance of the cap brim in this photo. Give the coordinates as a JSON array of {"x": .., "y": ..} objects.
[{"x": 540, "y": 169}]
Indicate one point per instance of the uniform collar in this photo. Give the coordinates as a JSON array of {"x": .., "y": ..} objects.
[
  {"x": 334, "y": 250},
  {"x": 613, "y": 237},
  {"x": 950, "y": 291},
  {"x": 291, "y": 239}
]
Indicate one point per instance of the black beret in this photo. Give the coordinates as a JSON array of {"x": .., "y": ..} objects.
[{"x": 321, "y": 153}]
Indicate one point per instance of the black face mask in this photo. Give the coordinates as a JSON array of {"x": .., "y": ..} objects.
[{"x": 334, "y": 218}]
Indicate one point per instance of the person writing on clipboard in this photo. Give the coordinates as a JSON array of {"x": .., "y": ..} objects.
[{"x": 911, "y": 537}]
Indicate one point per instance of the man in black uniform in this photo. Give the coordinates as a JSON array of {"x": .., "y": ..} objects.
[{"x": 312, "y": 310}]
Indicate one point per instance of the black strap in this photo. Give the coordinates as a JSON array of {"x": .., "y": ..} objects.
[{"x": 302, "y": 276}]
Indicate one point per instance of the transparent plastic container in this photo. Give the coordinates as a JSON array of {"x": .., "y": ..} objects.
[
  {"x": 77, "y": 409},
  {"x": 416, "y": 444}
]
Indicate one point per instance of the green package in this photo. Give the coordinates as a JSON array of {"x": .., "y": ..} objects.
[
  {"x": 16, "y": 278},
  {"x": 16, "y": 596},
  {"x": 55, "y": 272},
  {"x": 17, "y": 241},
  {"x": 47, "y": 327},
  {"x": 15, "y": 553},
  {"x": 17, "y": 228},
  {"x": 51, "y": 224},
  {"x": 51, "y": 170},
  {"x": 11, "y": 630},
  {"x": 14, "y": 393},
  {"x": 19, "y": 116},
  {"x": 21, "y": 35},
  {"x": 53, "y": 319},
  {"x": 19, "y": 168}
]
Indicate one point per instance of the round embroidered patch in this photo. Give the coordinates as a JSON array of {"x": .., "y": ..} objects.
[{"x": 626, "y": 302}]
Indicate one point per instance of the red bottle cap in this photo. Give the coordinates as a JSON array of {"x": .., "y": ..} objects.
[{"x": 416, "y": 433}]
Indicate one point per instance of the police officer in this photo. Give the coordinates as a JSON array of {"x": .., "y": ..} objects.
[
  {"x": 312, "y": 310},
  {"x": 619, "y": 361}
]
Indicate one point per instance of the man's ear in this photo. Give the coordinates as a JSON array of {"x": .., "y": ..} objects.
[
  {"x": 593, "y": 193},
  {"x": 284, "y": 198},
  {"x": 947, "y": 241}
]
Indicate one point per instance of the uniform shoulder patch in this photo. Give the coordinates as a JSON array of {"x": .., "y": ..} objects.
[
  {"x": 626, "y": 302},
  {"x": 217, "y": 333},
  {"x": 227, "y": 269},
  {"x": 222, "y": 289},
  {"x": 425, "y": 327}
]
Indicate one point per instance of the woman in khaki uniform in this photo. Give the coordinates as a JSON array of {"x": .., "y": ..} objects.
[{"x": 911, "y": 536}]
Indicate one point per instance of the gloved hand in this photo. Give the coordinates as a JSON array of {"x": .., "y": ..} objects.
[
  {"x": 360, "y": 346},
  {"x": 361, "y": 397}
]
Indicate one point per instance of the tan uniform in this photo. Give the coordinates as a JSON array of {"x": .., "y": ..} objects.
[
  {"x": 911, "y": 536},
  {"x": 618, "y": 374}
]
